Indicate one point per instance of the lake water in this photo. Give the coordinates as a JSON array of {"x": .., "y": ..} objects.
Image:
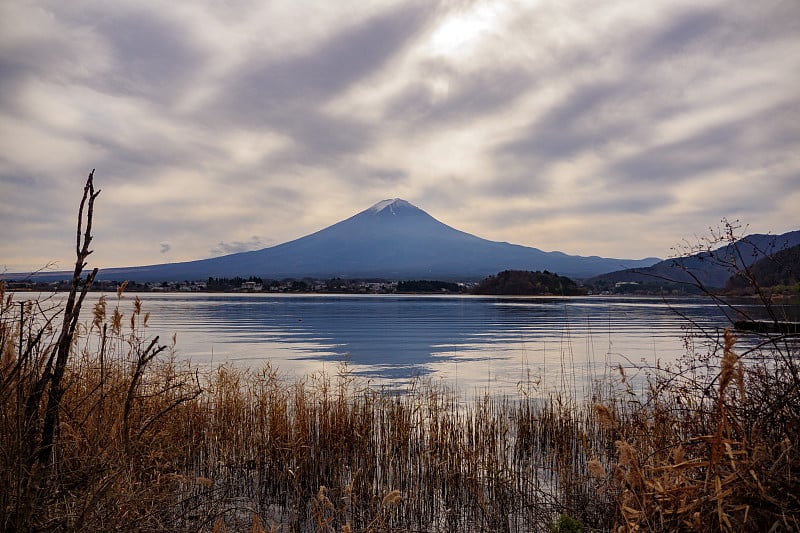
[{"x": 473, "y": 343}]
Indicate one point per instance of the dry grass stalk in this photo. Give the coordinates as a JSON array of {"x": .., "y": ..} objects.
[{"x": 706, "y": 472}]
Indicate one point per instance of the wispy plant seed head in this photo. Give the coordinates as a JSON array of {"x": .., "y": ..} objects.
[
  {"x": 121, "y": 288},
  {"x": 604, "y": 416},
  {"x": 596, "y": 469},
  {"x": 99, "y": 312},
  {"x": 393, "y": 498}
]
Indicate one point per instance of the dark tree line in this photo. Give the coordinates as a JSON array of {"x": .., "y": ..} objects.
[
  {"x": 223, "y": 284},
  {"x": 523, "y": 282},
  {"x": 428, "y": 286}
]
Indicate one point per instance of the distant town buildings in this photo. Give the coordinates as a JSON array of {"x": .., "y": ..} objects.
[{"x": 251, "y": 286}]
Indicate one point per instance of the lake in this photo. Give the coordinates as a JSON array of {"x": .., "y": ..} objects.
[{"x": 500, "y": 344}]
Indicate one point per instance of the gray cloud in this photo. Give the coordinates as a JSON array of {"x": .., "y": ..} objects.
[
  {"x": 225, "y": 248},
  {"x": 330, "y": 67},
  {"x": 12, "y": 76},
  {"x": 287, "y": 94},
  {"x": 687, "y": 32},
  {"x": 622, "y": 203},
  {"x": 160, "y": 61},
  {"x": 205, "y": 125},
  {"x": 732, "y": 146},
  {"x": 574, "y": 125},
  {"x": 467, "y": 95},
  {"x": 629, "y": 108},
  {"x": 384, "y": 177}
]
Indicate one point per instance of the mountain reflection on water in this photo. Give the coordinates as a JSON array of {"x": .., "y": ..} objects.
[{"x": 474, "y": 343}]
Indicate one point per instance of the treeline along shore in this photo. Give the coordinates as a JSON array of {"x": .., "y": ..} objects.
[
  {"x": 507, "y": 282},
  {"x": 488, "y": 286},
  {"x": 778, "y": 273}
]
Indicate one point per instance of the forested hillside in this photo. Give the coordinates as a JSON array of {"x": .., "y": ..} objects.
[
  {"x": 782, "y": 268},
  {"x": 522, "y": 282}
]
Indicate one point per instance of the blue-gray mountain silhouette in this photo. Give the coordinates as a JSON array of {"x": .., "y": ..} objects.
[
  {"x": 710, "y": 268},
  {"x": 391, "y": 240}
]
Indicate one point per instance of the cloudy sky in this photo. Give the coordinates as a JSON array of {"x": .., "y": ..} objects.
[{"x": 614, "y": 128}]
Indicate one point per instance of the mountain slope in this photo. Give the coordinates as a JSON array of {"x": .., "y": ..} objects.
[
  {"x": 392, "y": 239},
  {"x": 711, "y": 269},
  {"x": 782, "y": 268}
]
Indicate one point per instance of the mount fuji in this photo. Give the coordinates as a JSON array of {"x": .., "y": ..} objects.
[{"x": 393, "y": 239}]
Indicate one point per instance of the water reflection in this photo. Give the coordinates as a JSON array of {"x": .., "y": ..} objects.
[{"x": 473, "y": 342}]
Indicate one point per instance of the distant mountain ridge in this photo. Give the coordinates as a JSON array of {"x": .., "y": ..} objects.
[
  {"x": 712, "y": 269},
  {"x": 393, "y": 239}
]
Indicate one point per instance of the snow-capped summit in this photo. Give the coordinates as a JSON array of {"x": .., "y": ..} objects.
[{"x": 391, "y": 204}]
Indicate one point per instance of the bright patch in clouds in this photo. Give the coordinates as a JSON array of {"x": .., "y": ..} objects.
[
  {"x": 596, "y": 128},
  {"x": 458, "y": 34}
]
